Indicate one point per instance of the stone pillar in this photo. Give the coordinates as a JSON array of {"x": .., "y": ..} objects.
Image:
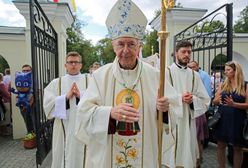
[{"x": 61, "y": 17}]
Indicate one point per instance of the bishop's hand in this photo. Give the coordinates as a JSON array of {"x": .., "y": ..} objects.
[
  {"x": 162, "y": 104},
  {"x": 125, "y": 112}
]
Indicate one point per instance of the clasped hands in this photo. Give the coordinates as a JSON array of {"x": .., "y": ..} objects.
[
  {"x": 126, "y": 112},
  {"x": 187, "y": 98},
  {"x": 228, "y": 100},
  {"x": 74, "y": 91}
]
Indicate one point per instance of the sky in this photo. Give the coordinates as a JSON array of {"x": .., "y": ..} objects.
[{"x": 94, "y": 12}]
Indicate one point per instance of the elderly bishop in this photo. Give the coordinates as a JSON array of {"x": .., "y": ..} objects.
[{"x": 117, "y": 116}]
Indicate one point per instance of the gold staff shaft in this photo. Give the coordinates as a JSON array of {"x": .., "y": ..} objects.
[{"x": 163, "y": 35}]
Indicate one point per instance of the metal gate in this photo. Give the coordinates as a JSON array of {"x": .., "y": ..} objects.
[
  {"x": 44, "y": 51},
  {"x": 211, "y": 38}
]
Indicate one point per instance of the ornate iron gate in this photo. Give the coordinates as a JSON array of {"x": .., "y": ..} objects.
[
  {"x": 211, "y": 38},
  {"x": 44, "y": 50}
]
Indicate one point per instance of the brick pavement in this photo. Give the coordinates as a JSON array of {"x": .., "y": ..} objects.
[
  {"x": 13, "y": 155},
  {"x": 210, "y": 157}
]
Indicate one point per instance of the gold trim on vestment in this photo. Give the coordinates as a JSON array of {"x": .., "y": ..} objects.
[
  {"x": 143, "y": 132},
  {"x": 113, "y": 102},
  {"x": 175, "y": 154}
]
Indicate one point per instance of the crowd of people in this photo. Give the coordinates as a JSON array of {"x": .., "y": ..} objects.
[
  {"x": 5, "y": 96},
  {"x": 109, "y": 118}
]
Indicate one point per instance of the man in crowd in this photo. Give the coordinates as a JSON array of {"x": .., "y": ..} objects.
[
  {"x": 95, "y": 66},
  {"x": 61, "y": 98},
  {"x": 28, "y": 116},
  {"x": 201, "y": 121},
  {"x": 7, "y": 78}
]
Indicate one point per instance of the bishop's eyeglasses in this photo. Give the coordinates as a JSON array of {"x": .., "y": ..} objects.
[{"x": 130, "y": 45}]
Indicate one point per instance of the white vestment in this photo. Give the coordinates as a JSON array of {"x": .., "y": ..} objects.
[
  {"x": 180, "y": 144},
  {"x": 55, "y": 107},
  {"x": 113, "y": 150}
]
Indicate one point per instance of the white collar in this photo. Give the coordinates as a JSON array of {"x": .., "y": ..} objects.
[{"x": 73, "y": 77}]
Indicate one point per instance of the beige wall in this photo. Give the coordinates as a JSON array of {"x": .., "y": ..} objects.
[
  {"x": 13, "y": 49},
  {"x": 240, "y": 52}
]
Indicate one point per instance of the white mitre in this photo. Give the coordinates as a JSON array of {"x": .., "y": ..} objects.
[{"x": 125, "y": 19}]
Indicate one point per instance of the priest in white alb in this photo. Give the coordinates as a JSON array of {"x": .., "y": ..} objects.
[
  {"x": 180, "y": 143},
  {"x": 117, "y": 115},
  {"x": 61, "y": 97}
]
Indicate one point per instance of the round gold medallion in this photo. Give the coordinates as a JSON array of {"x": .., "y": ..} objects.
[{"x": 128, "y": 96}]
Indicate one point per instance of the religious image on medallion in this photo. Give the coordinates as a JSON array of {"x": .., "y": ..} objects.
[
  {"x": 127, "y": 99},
  {"x": 131, "y": 97}
]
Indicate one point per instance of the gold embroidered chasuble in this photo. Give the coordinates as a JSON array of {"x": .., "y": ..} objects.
[{"x": 114, "y": 150}]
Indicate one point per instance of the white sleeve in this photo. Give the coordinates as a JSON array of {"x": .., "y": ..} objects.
[
  {"x": 201, "y": 99},
  {"x": 60, "y": 107},
  {"x": 52, "y": 103}
]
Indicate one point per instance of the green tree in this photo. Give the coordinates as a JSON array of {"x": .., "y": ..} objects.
[
  {"x": 74, "y": 32},
  {"x": 105, "y": 50},
  {"x": 151, "y": 44},
  {"x": 213, "y": 26},
  {"x": 218, "y": 62},
  {"x": 3, "y": 64},
  {"x": 77, "y": 42},
  {"x": 241, "y": 26}
]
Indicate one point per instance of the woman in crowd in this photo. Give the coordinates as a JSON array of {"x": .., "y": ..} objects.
[{"x": 232, "y": 98}]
